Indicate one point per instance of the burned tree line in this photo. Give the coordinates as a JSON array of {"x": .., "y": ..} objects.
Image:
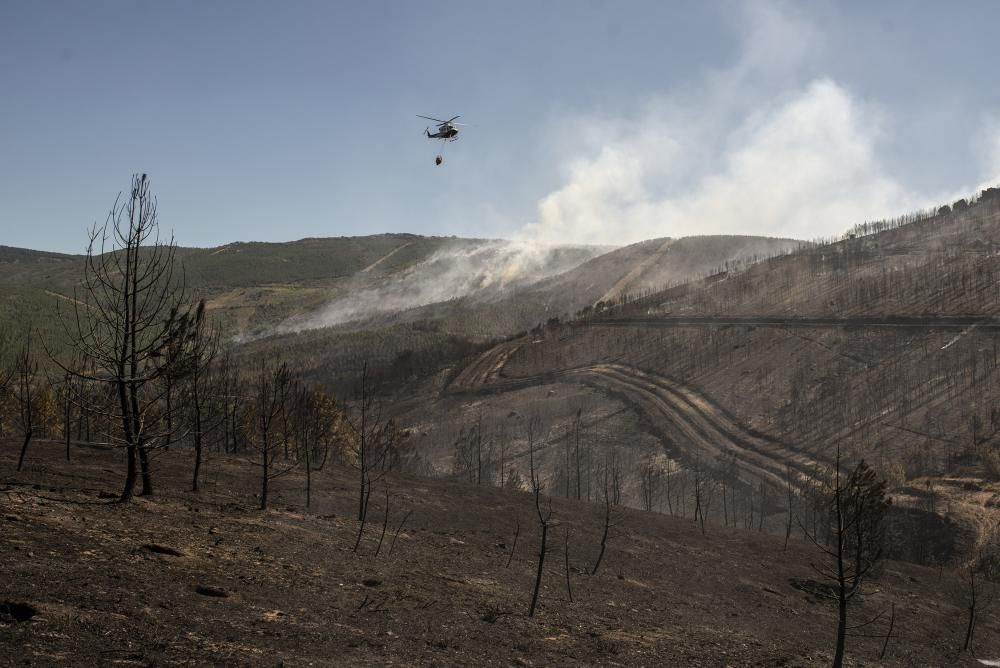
[
  {"x": 954, "y": 274},
  {"x": 146, "y": 371}
]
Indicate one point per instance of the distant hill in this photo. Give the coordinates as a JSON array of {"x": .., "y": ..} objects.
[
  {"x": 249, "y": 286},
  {"x": 255, "y": 288}
]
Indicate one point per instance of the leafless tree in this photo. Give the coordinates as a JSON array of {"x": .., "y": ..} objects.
[
  {"x": 468, "y": 448},
  {"x": 228, "y": 399},
  {"x": 544, "y": 515},
  {"x": 610, "y": 473},
  {"x": 67, "y": 387},
  {"x": 385, "y": 522},
  {"x": 790, "y": 502},
  {"x": 398, "y": 529},
  {"x": 370, "y": 443},
  {"x": 26, "y": 391},
  {"x": 126, "y": 314},
  {"x": 853, "y": 536},
  {"x": 728, "y": 482},
  {"x": 702, "y": 493},
  {"x": 650, "y": 477},
  {"x": 569, "y": 588},
  {"x": 272, "y": 383},
  {"x": 315, "y": 422},
  {"x": 668, "y": 473},
  {"x": 194, "y": 355},
  {"x": 979, "y": 594},
  {"x": 513, "y": 547}
]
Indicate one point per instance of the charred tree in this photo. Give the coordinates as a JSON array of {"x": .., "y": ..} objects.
[
  {"x": 544, "y": 516},
  {"x": 124, "y": 317},
  {"x": 852, "y": 536},
  {"x": 371, "y": 440},
  {"x": 26, "y": 391},
  {"x": 271, "y": 385}
]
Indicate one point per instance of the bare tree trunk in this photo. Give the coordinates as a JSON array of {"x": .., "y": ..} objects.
[
  {"x": 168, "y": 439},
  {"x": 362, "y": 459},
  {"x": 790, "y": 500},
  {"x": 147, "y": 479},
  {"x": 577, "y": 454},
  {"x": 971, "y": 626},
  {"x": 24, "y": 447},
  {"x": 385, "y": 523},
  {"x": 308, "y": 475},
  {"x": 543, "y": 517},
  {"x": 888, "y": 634},
  {"x": 538, "y": 574},
  {"x": 364, "y": 516},
  {"x": 67, "y": 417},
  {"x": 197, "y": 436},
  {"x": 699, "y": 515},
  {"x": 569, "y": 589},
  {"x": 517, "y": 532},
  {"x": 604, "y": 536},
  {"x": 265, "y": 463},
  {"x": 26, "y": 394},
  {"x": 234, "y": 431},
  {"x": 838, "y": 659},
  {"x": 479, "y": 450},
  {"x": 398, "y": 529},
  {"x": 130, "y": 473}
]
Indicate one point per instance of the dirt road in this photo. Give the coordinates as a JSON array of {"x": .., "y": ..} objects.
[{"x": 693, "y": 424}]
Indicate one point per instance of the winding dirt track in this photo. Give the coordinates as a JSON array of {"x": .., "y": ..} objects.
[
  {"x": 696, "y": 426},
  {"x": 485, "y": 368}
]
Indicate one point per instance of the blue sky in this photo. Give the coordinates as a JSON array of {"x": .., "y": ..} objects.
[{"x": 600, "y": 122}]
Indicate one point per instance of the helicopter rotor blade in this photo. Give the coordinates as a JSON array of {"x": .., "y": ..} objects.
[
  {"x": 436, "y": 120},
  {"x": 452, "y": 118}
]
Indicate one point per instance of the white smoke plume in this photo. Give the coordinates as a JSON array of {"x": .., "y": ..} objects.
[
  {"x": 764, "y": 146},
  {"x": 487, "y": 269}
]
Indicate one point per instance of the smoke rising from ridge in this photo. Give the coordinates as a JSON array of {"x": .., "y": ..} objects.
[
  {"x": 487, "y": 269},
  {"x": 763, "y": 146}
]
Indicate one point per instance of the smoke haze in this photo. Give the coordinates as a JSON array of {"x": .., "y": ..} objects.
[
  {"x": 486, "y": 269},
  {"x": 759, "y": 147}
]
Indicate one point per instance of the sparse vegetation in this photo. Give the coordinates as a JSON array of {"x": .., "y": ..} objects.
[{"x": 718, "y": 399}]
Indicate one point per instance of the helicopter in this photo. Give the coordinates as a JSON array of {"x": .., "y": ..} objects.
[{"x": 446, "y": 131}]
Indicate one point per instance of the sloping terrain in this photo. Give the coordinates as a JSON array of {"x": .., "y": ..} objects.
[
  {"x": 383, "y": 296},
  {"x": 884, "y": 346},
  {"x": 438, "y": 332},
  {"x": 205, "y": 579},
  {"x": 250, "y": 287}
]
